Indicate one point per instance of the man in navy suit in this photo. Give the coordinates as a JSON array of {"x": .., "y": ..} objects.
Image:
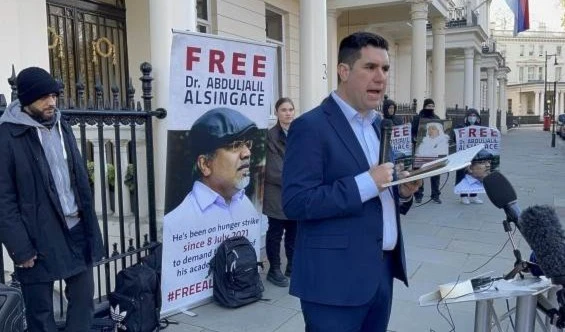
[{"x": 349, "y": 244}]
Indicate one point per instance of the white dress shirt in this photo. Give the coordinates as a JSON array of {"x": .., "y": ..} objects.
[{"x": 369, "y": 141}]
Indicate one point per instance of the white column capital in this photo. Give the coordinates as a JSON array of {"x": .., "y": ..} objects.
[
  {"x": 419, "y": 9},
  {"x": 438, "y": 26},
  {"x": 469, "y": 53},
  {"x": 334, "y": 13}
]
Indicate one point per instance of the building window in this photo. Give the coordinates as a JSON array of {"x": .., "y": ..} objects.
[
  {"x": 521, "y": 50},
  {"x": 558, "y": 74},
  {"x": 510, "y": 105},
  {"x": 540, "y": 50},
  {"x": 532, "y": 47},
  {"x": 203, "y": 23},
  {"x": 531, "y": 73},
  {"x": 521, "y": 77},
  {"x": 274, "y": 30},
  {"x": 558, "y": 50},
  {"x": 540, "y": 73}
]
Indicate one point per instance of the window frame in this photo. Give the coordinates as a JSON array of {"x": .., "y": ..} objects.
[
  {"x": 202, "y": 22},
  {"x": 281, "y": 56}
]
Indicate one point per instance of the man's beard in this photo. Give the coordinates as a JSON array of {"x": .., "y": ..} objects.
[{"x": 243, "y": 182}]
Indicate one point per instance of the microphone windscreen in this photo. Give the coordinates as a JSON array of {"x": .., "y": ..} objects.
[
  {"x": 499, "y": 190},
  {"x": 542, "y": 230}
]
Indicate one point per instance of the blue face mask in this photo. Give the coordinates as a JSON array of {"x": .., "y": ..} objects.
[{"x": 472, "y": 119}]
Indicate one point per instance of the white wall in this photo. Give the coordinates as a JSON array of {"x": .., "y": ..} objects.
[
  {"x": 454, "y": 78},
  {"x": 23, "y": 34},
  {"x": 139, "y": 47}
]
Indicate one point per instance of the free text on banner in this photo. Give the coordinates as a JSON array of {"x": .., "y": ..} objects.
[{"x": 210, "y": 72}]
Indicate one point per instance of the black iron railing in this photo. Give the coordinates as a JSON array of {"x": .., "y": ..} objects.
[{"x": 108, "y": 135}]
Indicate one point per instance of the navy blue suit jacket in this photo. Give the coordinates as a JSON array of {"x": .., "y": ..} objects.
[{"x": 338, "y": 257}]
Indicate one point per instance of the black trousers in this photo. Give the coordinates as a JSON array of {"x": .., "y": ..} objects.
[
  {"x": 278, "y": 227},
  {"x": 434, "y": 181},
  {"x": 79, "y": 291}
]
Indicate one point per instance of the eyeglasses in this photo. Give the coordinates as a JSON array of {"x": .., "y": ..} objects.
[{"x": 238, "y": 145}]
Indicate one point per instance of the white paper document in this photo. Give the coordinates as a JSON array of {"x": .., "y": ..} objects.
[{"x": 450, "y": 163}]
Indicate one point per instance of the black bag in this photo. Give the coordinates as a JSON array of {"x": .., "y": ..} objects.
[
  {"x": 11, "y": 309},
  {"x": 102, "y": 325},
  {"x": 134, "y": 302},
  {"x": 236, "y": 279}
]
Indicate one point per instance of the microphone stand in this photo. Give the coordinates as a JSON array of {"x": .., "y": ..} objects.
[{"x": 520, "y": 265}]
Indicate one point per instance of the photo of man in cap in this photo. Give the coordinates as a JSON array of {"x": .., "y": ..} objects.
[
  {"x": 220, "y": 143},
  {"x": 47, "y": 221}
]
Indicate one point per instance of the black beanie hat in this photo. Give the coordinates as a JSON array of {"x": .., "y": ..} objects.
[
  {"x": 34, "y": 83},
  {"x": 428, "y": 101}
]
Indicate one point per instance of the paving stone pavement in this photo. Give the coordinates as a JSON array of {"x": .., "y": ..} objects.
[{"x": 442, "y": 242}]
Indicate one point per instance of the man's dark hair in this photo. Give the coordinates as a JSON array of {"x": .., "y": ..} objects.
[{"x": 350, "y": 47}]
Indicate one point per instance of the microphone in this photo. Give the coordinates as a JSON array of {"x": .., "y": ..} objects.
[
  {"x": 501, "y": 193},
  {"x": 386, "y": 135},
  {"x": 542, "y": 230}
]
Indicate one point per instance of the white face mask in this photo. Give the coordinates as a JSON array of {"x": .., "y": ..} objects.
[{"x": 472, "y": 119}]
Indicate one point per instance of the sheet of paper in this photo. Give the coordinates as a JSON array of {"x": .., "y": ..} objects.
[{"x": 455, "y": 162}]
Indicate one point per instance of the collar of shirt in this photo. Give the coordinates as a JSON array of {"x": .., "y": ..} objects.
[
  {"x": 350, "y": 113},
  {"x": 205, "y": 196}
]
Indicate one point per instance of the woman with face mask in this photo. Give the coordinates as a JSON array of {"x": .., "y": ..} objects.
[{"x": 472, "y": 118}]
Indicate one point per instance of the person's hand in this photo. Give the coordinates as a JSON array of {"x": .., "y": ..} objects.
[
  {"x": 408, "y": 189},
  {"x": 29, "y": 263},
  {"x": 382, "y": 174}
]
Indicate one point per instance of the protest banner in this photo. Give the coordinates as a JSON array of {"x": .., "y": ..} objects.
[
  {"x": 432, "y": 142},
  {"x": 401, "y": 144},
  {"x": 490, "y": 138},
  {"x": 221, "y": 91}
]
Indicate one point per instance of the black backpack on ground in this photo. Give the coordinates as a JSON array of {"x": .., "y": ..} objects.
[
  {"x": 236, "y": 279},
  {"x": 135, "y": 302},
  {"x": 11, "y": 309}
]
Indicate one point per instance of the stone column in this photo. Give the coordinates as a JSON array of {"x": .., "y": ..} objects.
[
  {"x": 542, "y": 106},
  {"x": 313, "y": 53},
  {"x": 164, "y": 15},
  {"x": 438, "y": 66},
  {"x": 537, "y": 102},
  {"x": 477, "y": 82},
  {"x": 419, "y": 16},
  {"x": 468, "y": 82},
  {"x": 503, "y": 103},
  {"x": 491, "y": 91},
  {"x": 332, "y": 49}
]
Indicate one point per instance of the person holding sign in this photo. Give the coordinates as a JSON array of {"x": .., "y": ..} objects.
[
  {"x": 472, "y": 118},
  {"x": 389, "y": 112},
  {"x": 426, "y": 113},
  {"x": 272, "y": 206},
  {"x": 348, "y": 223}
]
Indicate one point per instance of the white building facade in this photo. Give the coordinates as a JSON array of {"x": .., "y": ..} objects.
[
  {"x": 534, "y": 57},
  {"x": 436, "y": 47}
]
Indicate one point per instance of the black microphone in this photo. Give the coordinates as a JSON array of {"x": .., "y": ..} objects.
[
  {"x": 542, "y": 230},
  {"x": 386, "y": 135},
  {"x": 501, "y": 193}
]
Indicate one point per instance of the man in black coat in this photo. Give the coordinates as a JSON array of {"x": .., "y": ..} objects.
[{"x": 47, "y": 221}]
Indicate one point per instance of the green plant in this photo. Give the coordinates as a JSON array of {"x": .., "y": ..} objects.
[
  {"x": 129, "y": 180},
  {"x": 111, "y": 175},
  {"x": 90, "y": 170}
]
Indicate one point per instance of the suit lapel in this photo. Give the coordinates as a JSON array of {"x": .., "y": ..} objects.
[{"x": 343, "y": 129}]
